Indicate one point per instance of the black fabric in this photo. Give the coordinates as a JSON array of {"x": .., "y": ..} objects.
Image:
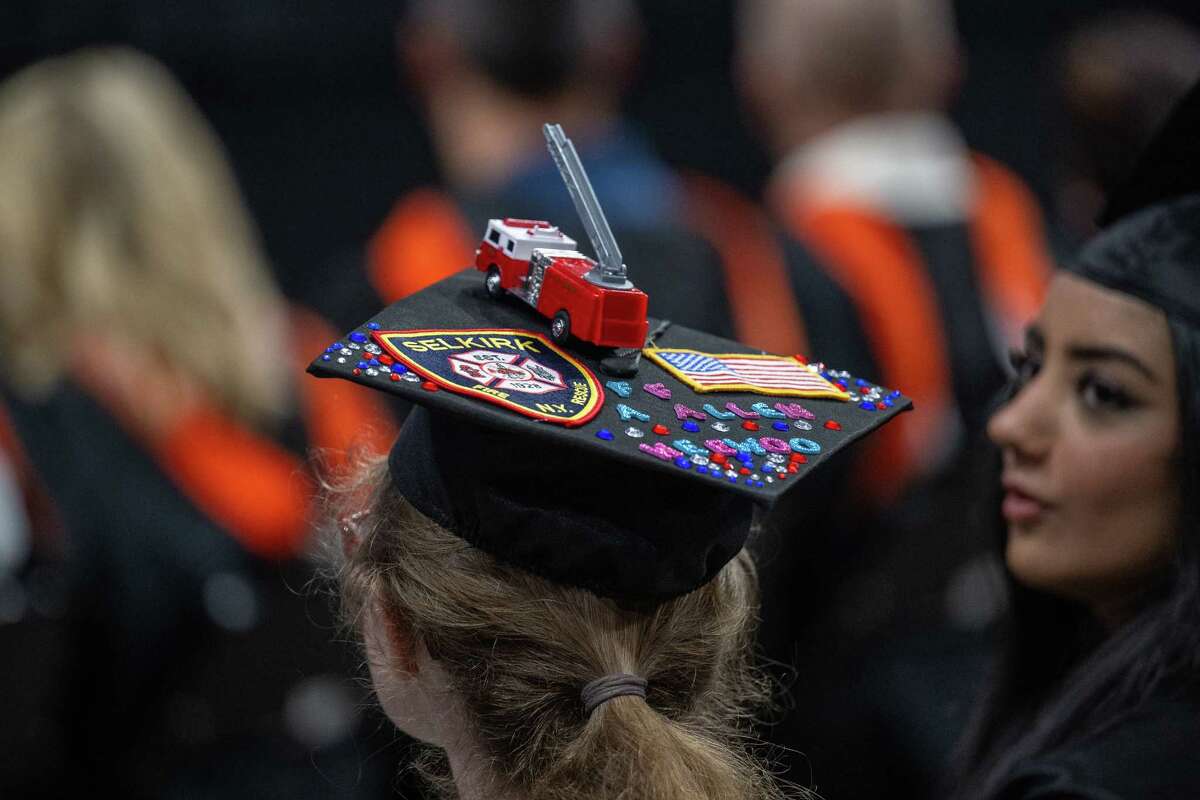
[
  {"x": 146, "y": 693},
  {"x": 1154, "y": 255},
  {"x": 564, "y": 502},
  {"x": 1152, "y": 755},
  {"x": 1169, "y": 166}
]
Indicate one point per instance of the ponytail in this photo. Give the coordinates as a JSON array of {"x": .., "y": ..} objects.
[{"x": 519, "y": 650}]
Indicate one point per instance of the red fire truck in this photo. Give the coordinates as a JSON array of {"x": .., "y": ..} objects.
[{"x": 536, "y": 262}]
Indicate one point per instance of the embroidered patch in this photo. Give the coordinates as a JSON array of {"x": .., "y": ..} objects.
[
  {"x": 729, "y": 372},
  {"x": 520, "y": 370}
]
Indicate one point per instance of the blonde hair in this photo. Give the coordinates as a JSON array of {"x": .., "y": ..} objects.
[
  {"x": 119, "y": 213},
  {"x": 518, "y": 650}
]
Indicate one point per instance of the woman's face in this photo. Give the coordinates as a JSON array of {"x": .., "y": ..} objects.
[{"x": 1091, "y": 492}]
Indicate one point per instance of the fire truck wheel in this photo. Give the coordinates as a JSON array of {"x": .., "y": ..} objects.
[
  {"x": 492, "y": 282},
  {"x": 560, "y": 327}
]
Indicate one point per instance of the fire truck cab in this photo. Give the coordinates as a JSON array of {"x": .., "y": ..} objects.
[{"x": 538, "y": 263}]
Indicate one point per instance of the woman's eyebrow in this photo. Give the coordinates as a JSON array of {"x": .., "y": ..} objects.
[{"x": 1080, "y": 352}]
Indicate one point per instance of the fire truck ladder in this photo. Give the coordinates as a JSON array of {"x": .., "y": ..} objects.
[{"x": 611, "y": 265}]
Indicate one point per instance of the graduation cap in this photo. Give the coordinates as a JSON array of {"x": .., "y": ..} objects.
[
  {"x": 637, "y": 487},
  {"x": 1150, "y": 248}
]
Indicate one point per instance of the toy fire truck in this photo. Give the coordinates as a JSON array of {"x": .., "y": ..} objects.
[{"x": 539, "y": 264}]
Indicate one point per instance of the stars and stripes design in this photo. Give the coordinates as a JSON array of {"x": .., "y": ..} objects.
[{"x": 722, "y": 372}]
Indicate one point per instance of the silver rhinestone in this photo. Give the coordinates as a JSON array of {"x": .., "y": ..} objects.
[
  {"x": 754, "y": 477},
  {"x": 345, "y": 351},
  {"x": 354, "y": 346},
  {"x": 702, "y": 460},
  {"x": 730, "y": 473},
  {"x": 372, "y": 348},
  {"x": 769, "y": 479},
  {"x": 411, "y": 377},
  {"x": 777, "y": 458},
  {"x": 341, "y": 359},
  {"x": 384, "y": 368},
  {"x": 372, "y": 372},
  {"x": 634, "y": 433},
  {"x": 802, "y": 425},
  {"x": 720, "y": 426}
]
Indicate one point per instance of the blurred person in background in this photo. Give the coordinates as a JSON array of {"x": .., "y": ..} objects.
[
  {"x": 488, "y": 74},
  {"x": 1115, "y": 79},
  {"x": 942, "y": 254},
  {"x": 149, "y": 378}
]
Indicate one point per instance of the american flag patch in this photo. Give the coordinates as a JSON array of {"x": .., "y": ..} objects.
[{"x": 725, "y": 372}]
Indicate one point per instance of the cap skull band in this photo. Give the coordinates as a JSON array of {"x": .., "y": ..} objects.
[{"x": 560, "y": 430}]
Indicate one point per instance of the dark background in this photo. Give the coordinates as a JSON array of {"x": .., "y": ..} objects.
[{"x": 311, "y": 105}]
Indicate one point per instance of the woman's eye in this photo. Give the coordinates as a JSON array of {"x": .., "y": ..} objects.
[
  {"x": 1101, "y": 395},
  {"x": 1024, "y": 366}
]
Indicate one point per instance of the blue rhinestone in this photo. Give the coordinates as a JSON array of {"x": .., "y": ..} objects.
[
  {"x": 374, "y": 362},
  {"x": 326, "y": 357},
  {"x": 862, "y": 382},
  {"x": 702, "y": 470},
  {"x": 399, "y": 368},
  {"x": 358, "y": 336},
  {"x": 865, "y": 406},
  {"x": 691, "y": 427},
  {"x": 332, "y": 348},
  {"x": 373, "y": 326},
  {"x": 759, "y": 484},
  {"x": 683, "y": 462},
  {"x": 779, "y": 425},
  {"x": 889, "y": 402},
  {"x": 363, "y": 365},
  {"x": 733, "y": 478},
  {"x": 605, "y": 434},
  {"x": 744, "y": 456},
  {"x": 749, "y": 481},
  {"x": 336, "y": 346},
  {"x": 894, "y": 395}
]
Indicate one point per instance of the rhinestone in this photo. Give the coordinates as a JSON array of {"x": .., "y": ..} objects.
[
  {"x": 411, "y": 378},
  {"x": 700, "y": 459},
  {"x": 801, "y": 425},
  {"x": 372, "y": 372},
  {"x": 346, "y": 351},
  {"x": 358, "y": 336},
  {"x": 755, "y": 477},
  {"x": 683, "y": 463},
  {"x": 373, "y": 326},
  {"x": 605, "y": 434},
  {"x": 691, "y": 427},
  {"x": 720, "y": 426},
  {"x": 373, "y": 348},
  {"x": 777, "y": 458},
  {"x": 354, "y": 346},
  {"x": 384, "y": 368},
  {"x": 634, "y": 433},
  {"x": 362, "y": 365},
  {"x": 731, "y": 474},
  {"x": 769, "y": 479},
  {"x": 341, "y": 359},
  {"x": 325, "y": 357}
]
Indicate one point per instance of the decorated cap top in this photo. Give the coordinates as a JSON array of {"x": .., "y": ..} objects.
[{"x": 637, "y": 487}]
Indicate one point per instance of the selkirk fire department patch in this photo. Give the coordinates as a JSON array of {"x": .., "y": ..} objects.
[{"x": 520, "y": 370}]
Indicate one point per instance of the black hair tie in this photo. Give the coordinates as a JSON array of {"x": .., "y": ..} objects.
[{"x": 603, "y": 689}]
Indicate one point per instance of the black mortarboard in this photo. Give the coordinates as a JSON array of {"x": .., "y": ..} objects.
[
  {"x": 639, "y": 488},
  {"x": 1151, "y": 246}
]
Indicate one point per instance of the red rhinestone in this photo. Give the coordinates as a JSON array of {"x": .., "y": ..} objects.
[
  {"x": 782, "y": 475},
  {"x": 744, "y": 471},
  {"x": 395, "y": 377},
  {"x": 429, "y": 386},
  {"x": 800, "y": 358},
  {"x": 833, "y": 425},
  {"x": 793, "y": 468},
  {"x": 799, "y": 458},
  {"x": 881, "y": 406},
  {"x": 718, "y": 458},
  {"x": 750, "y": 425},
  {"x": 357, "y": 371},
  {"x": 386, "y": 359},
  {"x": 864, "y": 390},
  {"x": 661, "y": 430}
]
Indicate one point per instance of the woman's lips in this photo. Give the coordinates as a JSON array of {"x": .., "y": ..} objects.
[{"x": 1019, "y": 508}]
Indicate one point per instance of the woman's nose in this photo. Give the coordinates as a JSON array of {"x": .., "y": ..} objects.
[{"x": 1025, "y": 423}]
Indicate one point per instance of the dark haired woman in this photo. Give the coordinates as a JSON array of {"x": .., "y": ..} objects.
[{"x": 1098, "y": 689}]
